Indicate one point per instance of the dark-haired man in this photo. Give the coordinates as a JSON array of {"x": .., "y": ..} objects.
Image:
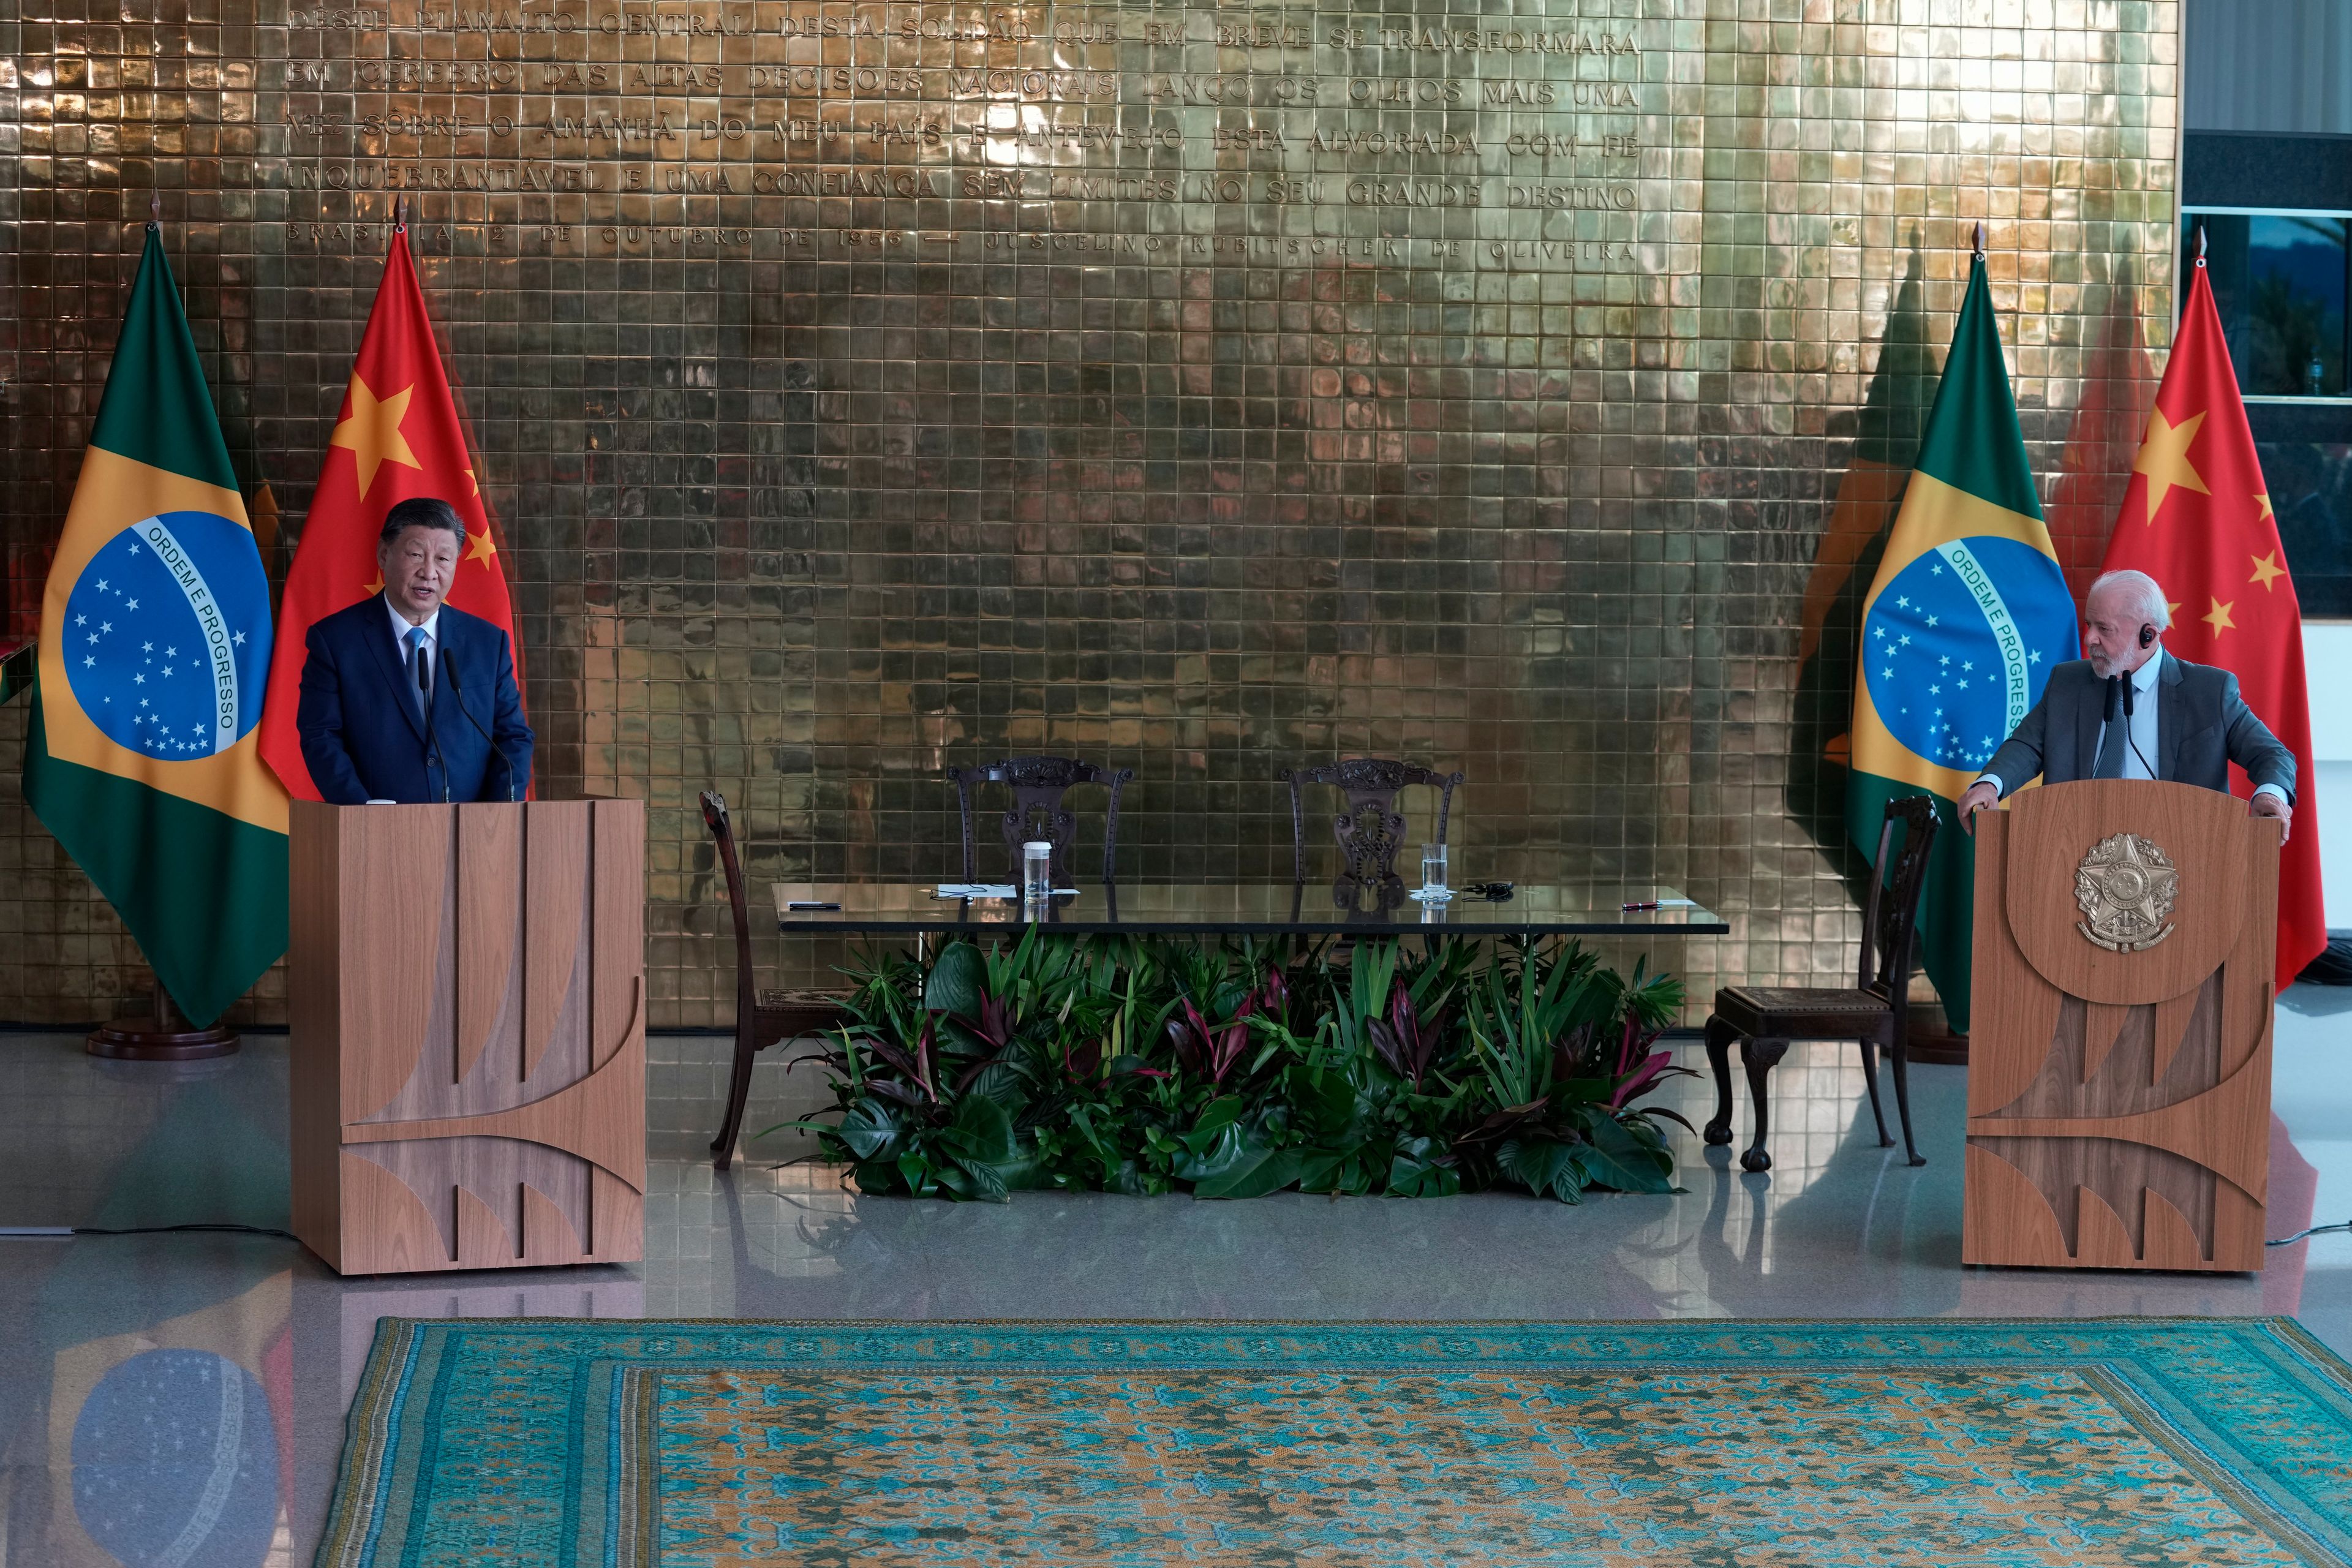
[{"x": 405, "y": 699}]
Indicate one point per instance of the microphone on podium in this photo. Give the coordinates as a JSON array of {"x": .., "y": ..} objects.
[{"x": 449, "y": 667}]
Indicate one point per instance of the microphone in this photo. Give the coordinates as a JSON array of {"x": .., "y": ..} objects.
[
  {"x": 2129, "y": 740},
  {"x": 432, "y": 757},
  {"x": 449, "y": 667},
  {"x": 2115, "y": 698}
]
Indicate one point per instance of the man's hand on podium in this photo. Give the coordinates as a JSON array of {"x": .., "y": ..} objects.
[
  {"x": 1981, "y": 796},
  {"x": 2269, "y": 805}
]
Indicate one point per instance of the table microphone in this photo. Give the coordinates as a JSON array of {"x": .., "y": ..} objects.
[
  {"x": 432, "y": 737},
  {"x": 450, "y": 668},
  {"x": 2128, "y": 740}
]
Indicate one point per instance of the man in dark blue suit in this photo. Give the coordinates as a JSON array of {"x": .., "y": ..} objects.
[{"x": 405, "y": 699}]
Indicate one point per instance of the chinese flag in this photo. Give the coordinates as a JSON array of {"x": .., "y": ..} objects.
[
  {"x": 2197, "y": 518},
  {"x": 398, "y": 436}
]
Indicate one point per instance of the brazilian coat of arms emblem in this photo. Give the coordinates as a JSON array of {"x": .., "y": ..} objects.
[{"x": 2126, "y": 887}]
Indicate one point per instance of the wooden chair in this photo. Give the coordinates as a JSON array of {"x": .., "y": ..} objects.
[
  {"x": 1038, "y": 784},
  {"x": 1370, "y": 830},
  {"x": 1765, "y": 1019},
  {"x": 763, "y": 1018}
]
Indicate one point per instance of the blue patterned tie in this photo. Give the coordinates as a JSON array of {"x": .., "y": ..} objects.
[{"x": 420, "y": 673}]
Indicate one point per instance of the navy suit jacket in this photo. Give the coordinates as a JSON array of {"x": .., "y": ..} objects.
[
  {"x": 2202, "y": 725},
  {"x": 362, "y": 735}
]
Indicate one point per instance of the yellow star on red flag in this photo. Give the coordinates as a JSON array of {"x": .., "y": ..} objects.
[
  {"x": 2266, "y": 568},
  {"x": 2164, "y": 458},
  {"x": 2217, "y": 617},
  {"x": 372, "y": 433},
  {"x": 479, "y": 546}
]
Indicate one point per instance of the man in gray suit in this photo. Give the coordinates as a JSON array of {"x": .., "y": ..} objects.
[{"x": 2184, "y": 722}]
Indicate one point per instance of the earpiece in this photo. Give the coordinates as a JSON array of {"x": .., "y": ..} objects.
[{"x": 2146, "y": 633}]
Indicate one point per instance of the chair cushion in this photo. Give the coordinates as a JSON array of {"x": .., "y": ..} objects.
[
  {"x": 790, "y": 1015},
  {"x": 1802, "y": 1013}
]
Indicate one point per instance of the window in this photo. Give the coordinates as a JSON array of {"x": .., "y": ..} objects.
[{"x": 2280, "y": 283}]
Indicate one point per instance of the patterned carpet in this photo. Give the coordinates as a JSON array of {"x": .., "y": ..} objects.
[{"x": 698, "y": 1445}]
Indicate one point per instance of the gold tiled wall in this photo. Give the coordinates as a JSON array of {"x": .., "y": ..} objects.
[{"x": 864, "y": 388}]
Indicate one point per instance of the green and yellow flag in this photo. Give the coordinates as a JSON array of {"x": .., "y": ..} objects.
[
  {"x": 155, "y": 653},
  {"x": 1964, "y": 622}
]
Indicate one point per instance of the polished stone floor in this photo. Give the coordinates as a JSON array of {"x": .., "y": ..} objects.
[{"x": 106, "y": 1334}]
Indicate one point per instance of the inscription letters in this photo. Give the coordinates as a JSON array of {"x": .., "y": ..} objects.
[{"x": 1095, "y": 127}]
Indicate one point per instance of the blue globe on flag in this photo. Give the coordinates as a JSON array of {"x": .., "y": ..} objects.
[
  {"x": 175, "y": 1462},
  {"x": 1949, "y": 665},
  {"x": 166, "y": 640}
]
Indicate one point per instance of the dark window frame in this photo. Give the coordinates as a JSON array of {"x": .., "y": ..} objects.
[{"x": 2234, "y": 331}]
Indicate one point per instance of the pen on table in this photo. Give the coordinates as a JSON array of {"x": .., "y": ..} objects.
[
  {"x": 799, "y": 906},
  {"x": 1639, "y": 904}
]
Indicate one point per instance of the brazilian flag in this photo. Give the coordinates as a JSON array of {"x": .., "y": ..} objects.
[
  {"x": 155, "y": 653},
  {"x": 1963, "y": 624}
]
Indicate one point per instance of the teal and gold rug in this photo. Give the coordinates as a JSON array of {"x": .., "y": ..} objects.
[{"x": 1943, "y": 1442}]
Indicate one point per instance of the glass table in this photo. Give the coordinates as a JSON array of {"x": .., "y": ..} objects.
[{"x": 1245, "y": 908}]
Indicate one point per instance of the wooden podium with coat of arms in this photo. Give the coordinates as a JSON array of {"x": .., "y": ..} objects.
[{"x": 2120, "y": 1078}]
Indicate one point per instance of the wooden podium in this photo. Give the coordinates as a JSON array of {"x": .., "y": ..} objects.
[
  {"x": 2120, "y": 1072},
  {"x": 467, "y": 997}
]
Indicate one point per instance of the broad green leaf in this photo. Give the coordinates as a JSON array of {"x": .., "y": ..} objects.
[
  {"x": 1262, "y": 1171},
  {"x": 1217, "y": 1116},
  {"x": 1539, "y": 1164},
  {"x": 1411, "y": 1176},
  {"x": 987, "y": 1131},
  {"x": 1212, "y": 1156},
  {"x": 956, "y": 980},
  {"x": 870, "y": 1129},
  {"x": 1617, "y": 1158},
  {"x": 1003, "y": 1083}
]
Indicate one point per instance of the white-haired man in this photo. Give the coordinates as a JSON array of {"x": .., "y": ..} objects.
[{"x": 2184, "y": 722}]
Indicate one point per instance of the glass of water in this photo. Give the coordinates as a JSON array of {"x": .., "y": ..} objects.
[
  {"x": 1037, "y": 875},
  {"x": 1433, "y": 871}
]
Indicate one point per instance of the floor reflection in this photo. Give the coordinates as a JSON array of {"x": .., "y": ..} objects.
[{"x": 180, "y": 1399}]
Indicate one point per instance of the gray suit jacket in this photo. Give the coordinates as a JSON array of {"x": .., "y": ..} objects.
[{"x": 2202, "y": 725}]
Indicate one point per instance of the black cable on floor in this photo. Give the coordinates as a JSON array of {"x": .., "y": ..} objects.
[
  {"x": 58, "y": 1232},
  {"x": 2315, "y": 1230}
]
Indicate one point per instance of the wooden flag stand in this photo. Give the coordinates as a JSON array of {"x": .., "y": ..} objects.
[{"x": 166, "y": 1038}]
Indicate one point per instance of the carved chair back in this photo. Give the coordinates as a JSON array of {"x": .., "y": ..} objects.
[
  {"x": 1890, "y": 919},
  {"x": 1370, "y": 830},
  {"x": 722, "y": 831},
  {"x": 1038, "y": 784}
]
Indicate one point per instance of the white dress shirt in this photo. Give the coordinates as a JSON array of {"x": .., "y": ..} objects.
[
  {"x": 401, "y": 626},
  {"x": 2142, "y": 723}
]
